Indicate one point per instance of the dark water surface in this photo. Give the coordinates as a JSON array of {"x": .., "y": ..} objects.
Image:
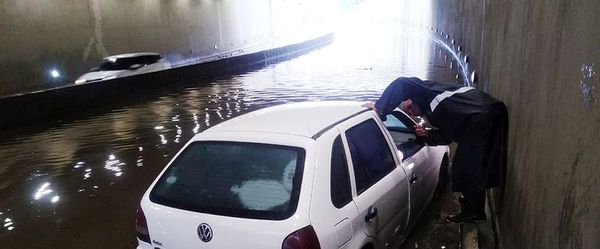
[{"x": 77, "y": 183}]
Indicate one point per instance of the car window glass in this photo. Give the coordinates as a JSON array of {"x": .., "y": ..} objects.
[
  {"x": 235, "y": 179},
  {"x": 371, "y": 155},
  {"x": 340, "y": 180},
  {"x": 117, "y": 64},
  {"x": 128, "y": 62},
  {"x": 149, "y": 59},
  {"x": 404, "y": 138},
  {"x": 108, "y": 65},
  {"x": 393, "y": 123}
]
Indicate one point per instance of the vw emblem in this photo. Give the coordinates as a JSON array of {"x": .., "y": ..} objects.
[{"x": 205, "y": 233}]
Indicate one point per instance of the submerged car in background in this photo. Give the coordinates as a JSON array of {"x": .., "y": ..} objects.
[
  {"x": 303, "y": 175},
  {"x": 123, "y": 65}
]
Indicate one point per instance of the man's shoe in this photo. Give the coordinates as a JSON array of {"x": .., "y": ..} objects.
[{"x": 466, "y": 217}]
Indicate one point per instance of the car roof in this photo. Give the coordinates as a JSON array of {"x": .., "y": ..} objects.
[
  {"x": 307, "y": 119},
  {"x": 131, "y": 55}
]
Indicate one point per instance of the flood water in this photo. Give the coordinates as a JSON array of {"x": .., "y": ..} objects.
[{"x": 77, "y": 183}]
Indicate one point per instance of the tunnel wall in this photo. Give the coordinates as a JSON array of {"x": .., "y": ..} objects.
[
  {"x": 72, "y": 36},
  {"x": 541, "y": 58}
]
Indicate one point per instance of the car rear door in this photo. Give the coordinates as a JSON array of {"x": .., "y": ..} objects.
[{"x": 380, "y": 188}]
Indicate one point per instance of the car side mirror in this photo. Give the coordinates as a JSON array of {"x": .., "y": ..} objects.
[
  {"x": 94, "y": 69},
  {"x": 400, "y": 155}
]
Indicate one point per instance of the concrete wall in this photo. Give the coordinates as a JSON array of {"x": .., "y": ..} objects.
[
  {"x": 541, "y": 58},
  {"x": 71, "y": 36}
]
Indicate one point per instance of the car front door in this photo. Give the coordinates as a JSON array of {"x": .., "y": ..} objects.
[
  {"x": 414, "y": 160},
  {"x": 380, "y": 188}
]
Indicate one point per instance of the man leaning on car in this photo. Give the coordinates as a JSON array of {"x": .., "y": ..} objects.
[{"x": 472, "y": 118}]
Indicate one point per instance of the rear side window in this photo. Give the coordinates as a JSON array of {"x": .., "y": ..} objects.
[
  {"x": 340, "y": 180},
  {"x": 108, "y": 65},
  {"x": 234, "y": 179},
  {"x": 149, "y": 59},
  {"x": 371, "y": 155}
]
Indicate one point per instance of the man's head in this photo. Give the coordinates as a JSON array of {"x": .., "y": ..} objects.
[{"x": 410, "y": 108}]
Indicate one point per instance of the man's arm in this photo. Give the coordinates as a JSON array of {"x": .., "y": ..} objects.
[
  {"x": 391, "y": 98},
  {"x": 433, "y": 138}
]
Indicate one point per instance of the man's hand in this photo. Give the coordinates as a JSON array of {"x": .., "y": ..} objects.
[
  {"x": 371, "y": 105},
  {"x": 420, "y": 130}
]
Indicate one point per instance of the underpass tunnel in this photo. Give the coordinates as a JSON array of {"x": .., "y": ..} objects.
[{"x": 539, "y": 57}]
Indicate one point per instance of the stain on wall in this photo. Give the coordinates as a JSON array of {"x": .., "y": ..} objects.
[{"x": 587, "y": 84}]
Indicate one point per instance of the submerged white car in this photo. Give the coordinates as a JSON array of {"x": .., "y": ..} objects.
[
  {"x": 123, "y": 65},
  {"x": 303, "y": 175}
]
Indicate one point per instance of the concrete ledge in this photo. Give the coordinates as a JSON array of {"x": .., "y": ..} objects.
[
  {"x": 481, "y": 236},
  {"x": 22, "y": 109}
]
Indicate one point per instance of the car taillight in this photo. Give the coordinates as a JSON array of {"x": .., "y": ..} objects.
[
  {"x": 305, "y": 238},
  {"x": 141, "y": 226}
]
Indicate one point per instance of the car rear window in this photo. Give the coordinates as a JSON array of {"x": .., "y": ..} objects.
[{"x": 247, "y": 180}]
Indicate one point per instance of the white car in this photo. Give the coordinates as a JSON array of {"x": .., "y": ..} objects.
[
  {"x": 304, "y": 175},
  {"x": 123, "y": 65}
]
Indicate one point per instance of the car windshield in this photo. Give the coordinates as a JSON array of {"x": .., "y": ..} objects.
[{"x": 235, "y": 179}]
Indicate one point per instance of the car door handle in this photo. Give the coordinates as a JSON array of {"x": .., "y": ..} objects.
[
  {"x": 372, "y": 213},
  {"x": 413, "y": 178}
]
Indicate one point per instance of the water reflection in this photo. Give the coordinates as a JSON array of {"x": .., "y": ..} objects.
[
  {"x": 42, "y": 191},
  {"x": 78, "y": 165},
  {"x": 140, "y": 161},
  {"x": 196, "y": 124},
  {"x": 114, "y": 165},
  {"x": 178, "y": 136},
  {"x": 8, "y": 223},
  {"x": 87, "y": 174}
]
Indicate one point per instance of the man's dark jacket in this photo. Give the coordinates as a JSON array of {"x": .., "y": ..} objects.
[{"x": 472, "y": 118}]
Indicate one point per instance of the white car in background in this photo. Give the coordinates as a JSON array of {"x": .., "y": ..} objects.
[
  {"x": 123, "y": 65},
  {"x": 304, "y": 175}
]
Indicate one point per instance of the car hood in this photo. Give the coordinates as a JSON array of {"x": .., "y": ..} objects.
[{"x": 97, "y": 76}]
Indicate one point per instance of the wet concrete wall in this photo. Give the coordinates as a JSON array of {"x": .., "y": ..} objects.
[
  {"x": 541, "y": 58},
  {"x": 70, "y": 37},
  {"x": 67, "y": 101}
]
